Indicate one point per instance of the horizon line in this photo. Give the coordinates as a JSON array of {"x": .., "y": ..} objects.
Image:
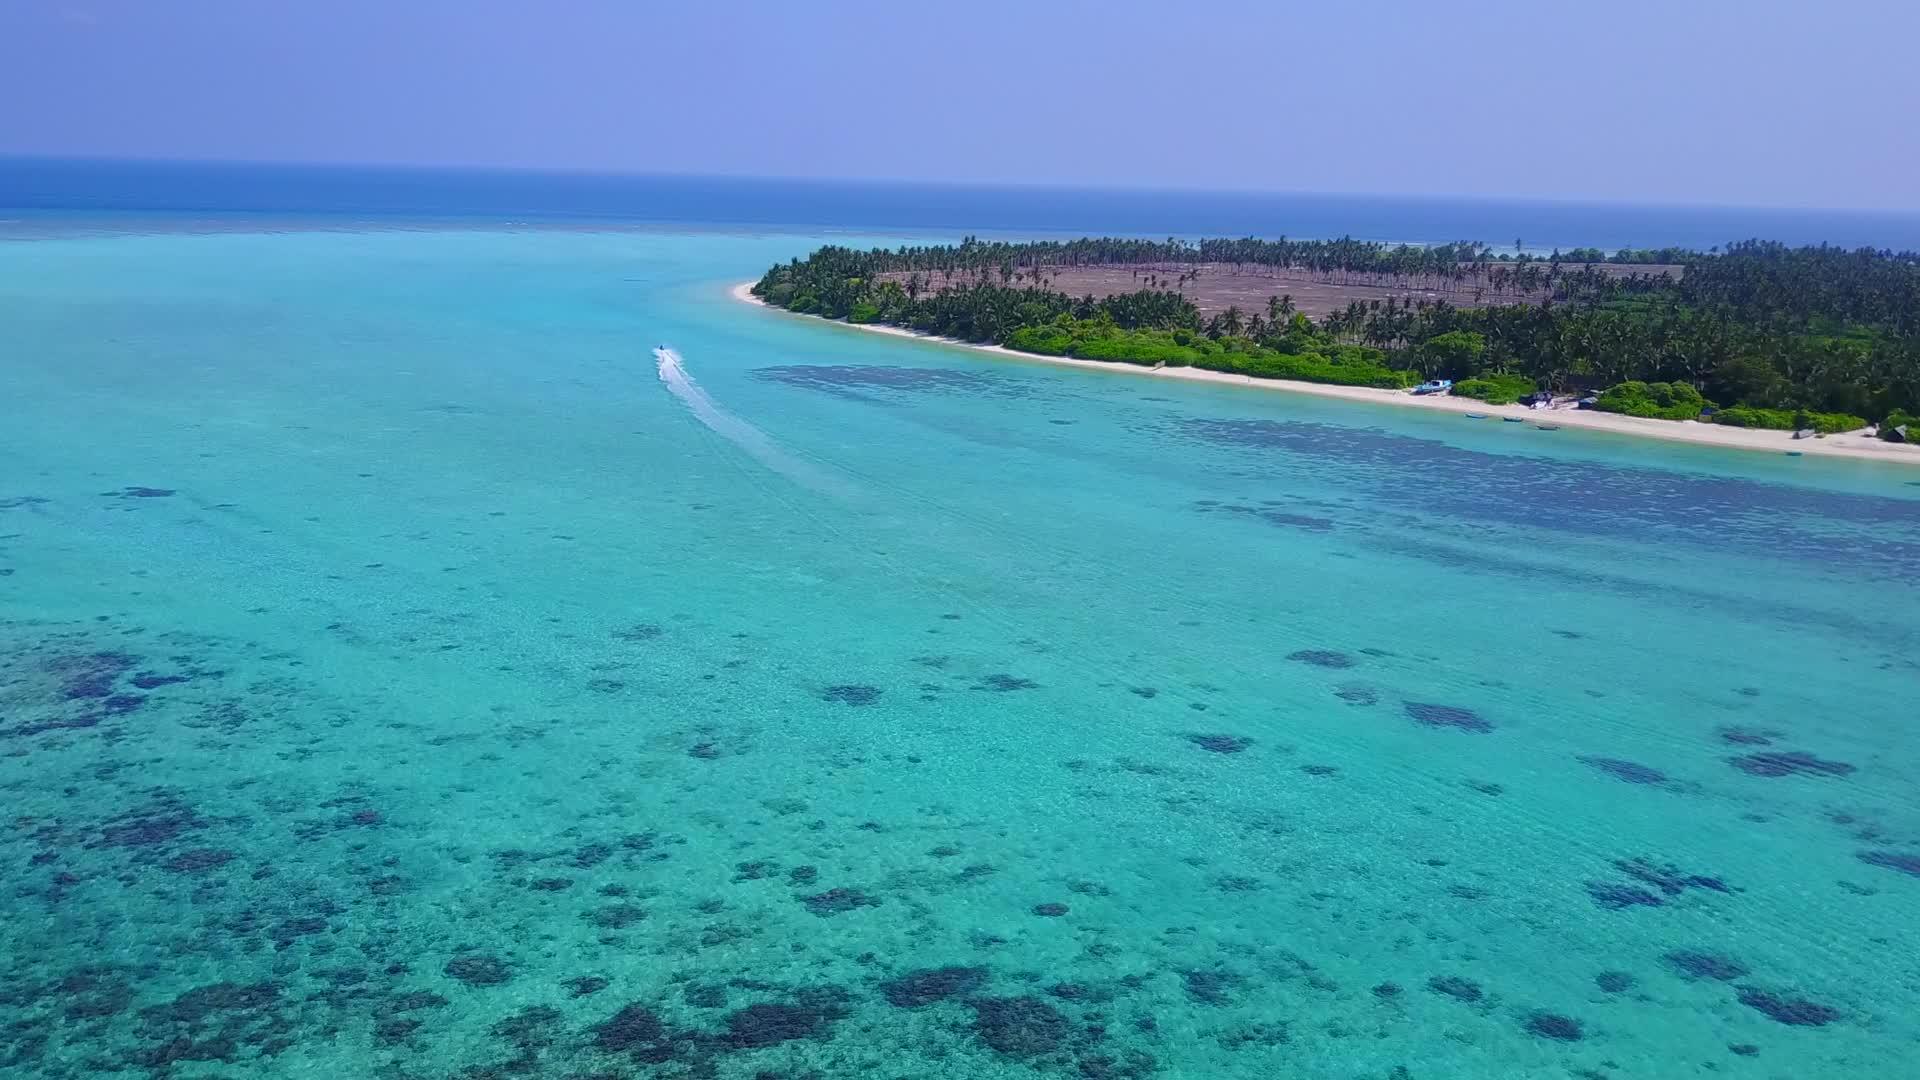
[{"x": 974, "y": 185}]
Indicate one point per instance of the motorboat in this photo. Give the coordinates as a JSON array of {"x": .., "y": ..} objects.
[{"x": 1433, "y": 386}]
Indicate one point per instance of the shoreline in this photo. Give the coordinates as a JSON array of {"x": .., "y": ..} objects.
[{"x": 1852, "y": 446}]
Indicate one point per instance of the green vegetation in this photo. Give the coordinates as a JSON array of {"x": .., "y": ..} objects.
[
  {"x": 1099, "y": 339},
  {"x": 1495, "y": 389},
  {"x": 1828, "y": 423},
  {"x": 1455, "y": 350},
  {"x": 1755, "y": 417},
  {"x": 1145, "y": 327},
  {"x": 1788, "y": 420},
  {"x": 1669, "y": 256},
  {"x": 1659, "y": 401},
  {"x": 1760, "y": 327}
]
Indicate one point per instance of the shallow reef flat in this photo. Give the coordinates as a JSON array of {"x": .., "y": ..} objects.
[{"x": 445, "y": 699}]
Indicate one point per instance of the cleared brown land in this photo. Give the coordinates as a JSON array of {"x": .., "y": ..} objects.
[{"x": 1214, "y": 287}]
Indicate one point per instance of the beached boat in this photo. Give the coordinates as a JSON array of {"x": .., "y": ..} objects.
[{"x": 1434, "y": 386}]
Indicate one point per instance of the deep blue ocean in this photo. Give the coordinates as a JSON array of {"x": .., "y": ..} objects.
[{"x": 147, "y": 194}]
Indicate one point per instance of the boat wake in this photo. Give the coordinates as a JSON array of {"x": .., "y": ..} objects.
[{"x": 673, "y": 372}]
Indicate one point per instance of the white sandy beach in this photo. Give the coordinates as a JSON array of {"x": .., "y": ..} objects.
[{"x": 1854, "y": 445}]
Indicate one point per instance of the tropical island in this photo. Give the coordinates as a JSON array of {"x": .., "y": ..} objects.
[{"x": 1818, "y": 340}]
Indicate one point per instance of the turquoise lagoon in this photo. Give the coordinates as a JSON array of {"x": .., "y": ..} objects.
[{"x": 398, "y": 679}]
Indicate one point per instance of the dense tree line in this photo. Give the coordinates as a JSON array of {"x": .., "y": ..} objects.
[
  {"x": 1667, "y": 256},
  {"x": 1344, "y": 254},
  {"x": 1759, "y": 325},
  {"x": 1148, "y": 326},
  {"x": 1455, "y": 269}
]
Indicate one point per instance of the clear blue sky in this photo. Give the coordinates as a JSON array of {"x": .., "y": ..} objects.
[{"x": 1764, "y": 102}]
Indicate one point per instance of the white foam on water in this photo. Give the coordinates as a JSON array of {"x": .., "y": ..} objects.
[{"x": 673, "y": 372}]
